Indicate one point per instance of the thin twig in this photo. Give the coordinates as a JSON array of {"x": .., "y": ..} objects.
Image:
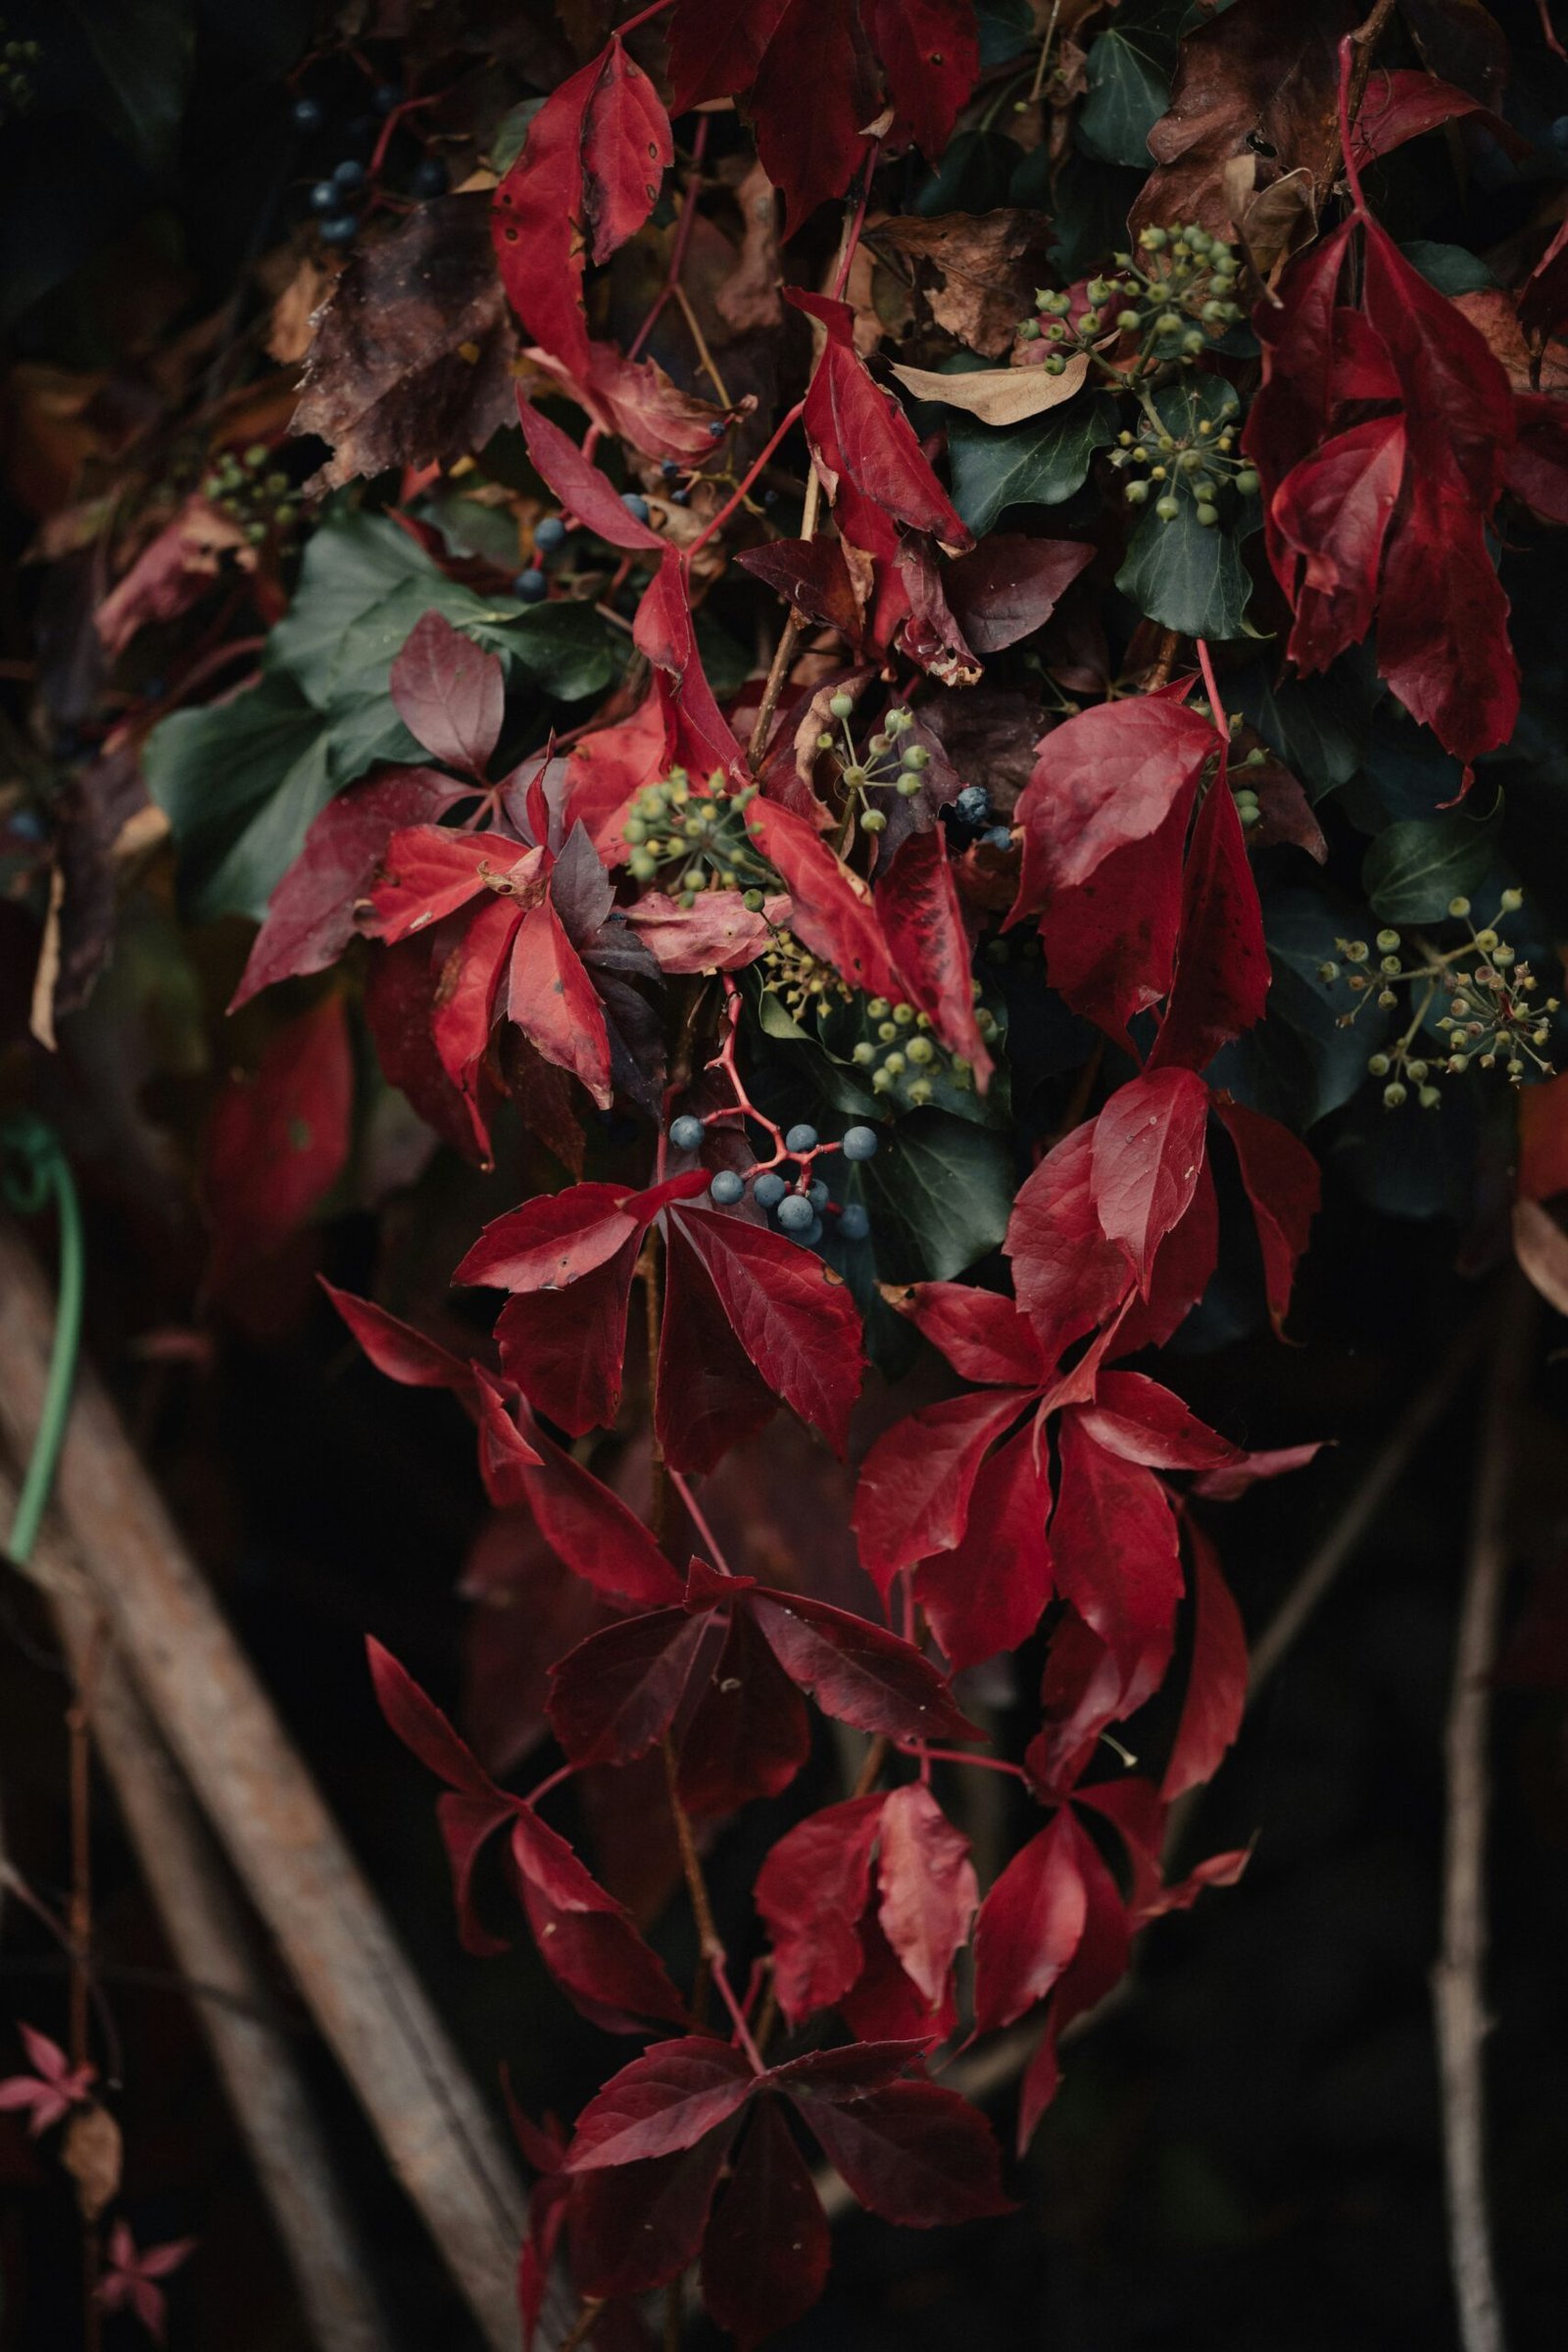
[
  {"x": 1458, "y": 1993},
  {"x": 784, "y": 653},
  {"x": 584, "y": 2326}
]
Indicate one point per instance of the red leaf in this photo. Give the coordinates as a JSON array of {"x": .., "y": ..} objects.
[
  {"x": 626, "y": 149},
  {"x": 857, "y": 1672},
  {"x": 670, "y": 2098},
  {"x": 1067, "y": 1276},
  {"x": 917, "y": 908},
  {"x": 1082, "y": 1689},
  {"x": 278, "y": 1143},
  {"x": 1134, "y": 1417},
  {"x": 554, "y": 1002},
  {"x": 830, "y": 908},
  {"x": 423, "y": 1730},
  {"x": 450, "y": 694},
  {"x": 983, "y": 1337},
  {"x": 535, "y": 221},
  {"x": 1333, "y": 511},
  {"x": 1099, "y": 1963},
  {"x": 615, "y": 1695},
  {"x": 401, "y": 992},
  {"x": 556, "y": 1238},
  {"x": 1148, "y": 1152},
  {"x": 1009, "y": 586},
  {"x": 986, "y": 1595},
  {"x": 912, "y": 2153},
  {"x": 815, "y": 577},
  {"x": 1222, "y": 967},
  {"x": 767, "y": 2249},
  {"x": 699, "y": 736},
  {"x": 716, "y": 46},
  {"x": 396, "y": 1349},
  {"x": 1113, "y": 1542},
  {"x": 790, "y": 1313},
  {"x": 811, "y": 152},
  {"x": 1182, "y": 1272},
  {"x": 811, "y": 1892},
  {"x": 1402, "y": 104},
  {"x": 638, "y": 2225},
  {"x": 928, "y": 1887},
  {"x": 428, "y": 872},
  {"x": 749, "y": 1733},
  {"x": 876, "y": 474},
  {"x": 1442, "y": 637},
  {"x": 1216, "y": 1681},
  {"x": 591, "y": 1530},
  {"x": 1224, "y": 1485},
  {"x": 709, "y": 1394},
  {"x": 464, "y": 1006},
  {"x": 1030, "y": 1925},
  {"x": 585, "y": 1937},
  {"x": 1285, "y": 1189},
  {"x": 719, "y": 934},
  {"x": 582, "y": 489},
  {"x": 930, "y": 53},
  {"x": 310, "y": 914},
  {"x": 914, "y": 1496}
]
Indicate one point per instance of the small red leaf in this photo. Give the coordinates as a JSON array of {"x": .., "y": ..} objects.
[
  {"x": 1030, "y": 1925},
  {"x": 876, "y": 471},
  {"x": 930, "y": 53},
  {"x": 396, "y": 1349},
  {"x": 1285, "y": 1189},
  {"x": 1222, "y": 967},
  {"x": 582, "y": 489},
  {"x": 669, "y": 2100},
  {"x": 914, "y": 1492},
  {"x": 830, "y": 908},
  {"x": 767, "y": 2249},
  {"x": 1113, "y": 1543},
  {"x": 749, "y": 1733},
  {"x": 1149, "y": 1149},
  {"x": 857, "y": 1672},
  {"x": 615, "y": 1695},
  {"x": 1134, "y": 1417},
  {"x": 450, "y": 694},
  {"x": 912, "y": 2153},
  {"x": 585, "y": 1937},
  {"x": 986, "y": 1595},
  {"x": 917, "y": 908},
  {"x": 928, "y": 1887},
  {"x": 1216, "y": 1680},
  {"x": 811, "y": 1892}
]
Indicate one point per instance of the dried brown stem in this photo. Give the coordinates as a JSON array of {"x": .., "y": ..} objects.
[
  {"x": 784, "y": 652},
  {"x": 1458, "y": 1987},
  {"x": 584, "y": 2326}
]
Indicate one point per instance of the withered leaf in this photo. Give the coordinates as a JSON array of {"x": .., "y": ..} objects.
[
  {"x": 999, "y": 395},
  {"x": 411, "y": 357},
  {"x": 978, "y": 271},
  {"x": 92, "y": 2154}
]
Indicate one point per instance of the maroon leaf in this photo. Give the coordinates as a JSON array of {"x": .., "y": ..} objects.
[
  {"x": 396, "y": 1349},
  {"x": 1222, "y": 967},
  {"x": 917, "y": 908},
  {"x": 857, "y": 1672},
  {"x": 554, "y": 1002},
  {"x": 1216, "y": 1680},
  {"x": 811, "y": 1892},
  {"x": 983, "y": 1337},
  {"x": 749, "y": 1733},
  {"x": 875, "y": 471},
  {"x": 811, "y": 153},
  {"x": 986, "y": 1595},
  {"x": 591, "y": 1530},
  {"x": 912, "y": 2153},
  {"x": 1009, "y": 586},
  {"x": 928, "y": 1887},
  {"x": 615, "y": 1695},
  {"x": 582, "y": 489},
  {"x": 637, "y": 2225},
  {"x": 1099, "y": 1963},
  {"x": 670, "y": 2098},
  {"x": 310, "y": 914},
  {"x": 585, "y": 1937},
  {"x": 1067, "y": 1275},
  {"x": 1030, "y": 1925},
  {"x": 767, "y": 2249},
  {"x": 914, "y": 1492},
  {"x": 1134, "y": 1417},
  {"x": 1113, "y": 1542},
  {"x": 930, "y": 53},
  {"x": 450, "y": 694},
  {"x": 699, "y": 734},
  {"x": 1285, "y": 1189},
  {"x": 1148, "y": 1152},
  {"x": 278, "y": 1143}
]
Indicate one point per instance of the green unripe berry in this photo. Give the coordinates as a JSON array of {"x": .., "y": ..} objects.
[
  {"x": 1136, "y": 493},
  {"x": 1511, "y": 901},
  {"x": 1029, "y": 331},
  {"x": 915, "y": 756},
  {"x": 881, "y": 1083},
  {"x": 1429, "y": 1098},
  {"x": 920, "y": 1050},
  {"x": 1458, "y": 907},
  {"x": 1192, "y": 343},
  {"x": 1378, "y": 1064},
  {"x": 908, "y": 786},
  {"x": 1168, "y": 323},
  {"x": 1167, "y": 509},
  {"x": 1189, "y": 459},
  {"x": 1208, "y": 515},
  {"x": 887, "y": 1031},
  {"x": 920, "y": 1093},
  {"x": 895, "y": 1066},
  {"x": 865, "y": 1053},
  {"x": 1394, "y": 1093},
  {"x": 1246, "y": 481},
  {"x": 1327, "y": 971},
  {"x": 1055, "y": 365},
  {"x": 1485, "y": 941},
  {"x": 904, "y": 1015},
  {"x": 873, "y": 822},
  {"x": 824, "y": 741},
  {"x": 842, "y": 705},
  {"x": 855, "y": 777},
  {"x": 1153, "y": 240},
  {"x": 1387, "y": 940},
  {"x": 643, "y": 866},
  {"x": 753, "y": 901},
  {"x": 1129, "y": 321}
]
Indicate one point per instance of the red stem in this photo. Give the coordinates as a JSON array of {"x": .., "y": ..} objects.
[
  {"x": 958, "y": 1756},
  {"x": 644, "y": 16},
  {"x": 683, "y": 237},
  {"x": 727, "y": 509},
  {"x": 694, "y": 1512},
  {"x": 854, "y": 238},
  {"x": 1221, "y": 722}
]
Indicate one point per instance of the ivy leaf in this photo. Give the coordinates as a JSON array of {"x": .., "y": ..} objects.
[
  {"x": 1412, "y": 871},
  {"x": 1185, "y": 576},
  {"x": 943, "y": 1194},
  {"x": 1128, "y": 72},
  {"x": 1038, "y": 464},
  {"x": 239, "y": 783}
]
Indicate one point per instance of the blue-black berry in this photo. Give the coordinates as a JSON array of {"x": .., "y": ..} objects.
[
  {"x": 548, "y": 533},
  {"x": 812, "y": 1234},
  {"x": 999, "y": 837},
  {"x": 716, "y": 430},
  {"x": 861, "y": 1143},
  {"x": 308, "y": 115},
  {"x": 796, "y": 1214},
  {"x": 686, "y": 1131},
  {"x": 389, "y": 95},
  {"x": 349, "y": 174},
  {"x": 769, "y": 1189},
  {"x": 801, "y": 1139},
  {"x": 973, "y": 804},
  {"x": 429, "y": 177},
  {"x": 325, "y": 196},
  {"x": 635, "y": 505},
  {"x": 530, "y": 585},
  {"x": 339, "y": 228},
  {"x": 853, "y": 1223},
  {"x": 726, "y": 1188},
  {"x": 816, "y": 1193}
]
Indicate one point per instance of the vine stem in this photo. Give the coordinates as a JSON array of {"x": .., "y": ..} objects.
[
  {"x": 1355, "y": 64},
  {"x": 717, "y": 522},
  {"x": 710, "y": 1943},
  {"x": 1212, "y": 689},
  {"x": 694, "y": 1512},
  {"x": 1459, "y": 1993}
]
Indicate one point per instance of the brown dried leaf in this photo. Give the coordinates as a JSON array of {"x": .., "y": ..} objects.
[
  {"x": 289, "y": 330},
  {"x": 1271, "y": 222},
  {"x": 412, "y": 360},
  {"x": 1260, "y": 81},
  {"x": 1541, "y": 1245},
  {"x": 749, "y": 296},
  {"x": 91, "y": 2153},
  {"x": 978, "y": 271},
  {"x": 999, "y": 395}
]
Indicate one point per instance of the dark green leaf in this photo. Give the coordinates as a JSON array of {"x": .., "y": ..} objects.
[
  {"x": 1412, "y": 871},
  {"x": 1037, "y": 464},
  {"x": 1128, "y": 72},
  {"x": 1186, "y": 577},
  {"x": 239, "y": 783},
  {"x": 567, "y": 649},
  {"x": 940, "y": 1194}
]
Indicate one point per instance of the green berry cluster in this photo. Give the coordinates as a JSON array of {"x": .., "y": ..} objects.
[
  {"x": 1495, "y": 1013},
  {"x": 16, "y": 92},
  {"x": 889, "y": 763},
  {"x": 1165, "y": 465},
  {"x": 801, "y": 982},
  {"x": 1174, "y": 300},
  {"x": 902, "y": 1062},
  {"x": 701, "y": 829},
  {"x": 255, "y": 494}
]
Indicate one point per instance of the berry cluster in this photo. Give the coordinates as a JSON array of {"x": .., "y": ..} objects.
[
  {"x": 972, "y": 819},
  {"x": 902, "y": 1062},
  {"x": 888, "y": 763},
  {"x": 1197, "y": 457},
  {"x": 798, "y": 1204},
  {"x": 252, "y": 492},
  {"x": 1495, "y": 1011},
  {"x": 338, "y": 198},
  {"x": 1173, "y": 304},
  {"x": 550, "y": 535},
  {"x": 801, "y": 981},
  {"x": 16, "y": 82},
  {"x": 701, "y": 828}
]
